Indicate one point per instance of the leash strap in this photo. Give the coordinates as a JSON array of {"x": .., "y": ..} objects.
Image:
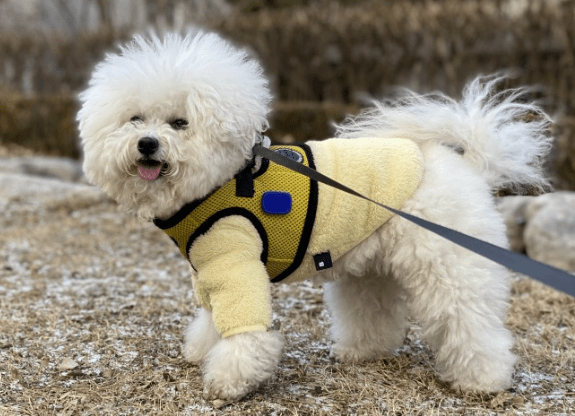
[{"x": 549, "y": 275}]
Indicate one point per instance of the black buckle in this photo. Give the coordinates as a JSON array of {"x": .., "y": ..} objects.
[{"x": 322, "y": 261}]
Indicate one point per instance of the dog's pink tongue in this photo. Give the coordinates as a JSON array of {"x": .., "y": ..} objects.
[{"x": 149, "y": 174}]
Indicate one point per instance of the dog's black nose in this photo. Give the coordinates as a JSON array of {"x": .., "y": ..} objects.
[{"x": 148, "y": 145}]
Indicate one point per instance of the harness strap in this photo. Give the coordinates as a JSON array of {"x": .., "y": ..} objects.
[
  {"x": 245, "y": 181},
  {"x": 549, "y": 275}
]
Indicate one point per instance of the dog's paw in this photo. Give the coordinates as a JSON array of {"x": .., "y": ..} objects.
[
  {"x": 200, "y": 337},
  {"x": 485, "y": 372},
  {"x": 486, "y": 383},
  {"x": 238, "y": 365},
  {"x": 371, "y": 346},
  {"x": 227, "y": 391},
  {"x": 353, "y": 354}
]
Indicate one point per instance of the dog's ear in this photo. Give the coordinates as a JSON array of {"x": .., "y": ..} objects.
[{"x": 227, "y": 116}]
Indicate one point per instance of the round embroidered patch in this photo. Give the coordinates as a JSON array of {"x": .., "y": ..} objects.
[{"x": 290, "y": 153}]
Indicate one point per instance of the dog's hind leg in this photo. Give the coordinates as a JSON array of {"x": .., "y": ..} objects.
[
  {"x": 458, "y": 297},
  {"x": 368, "y": 316},
  {"x": 460, "y": 304}
]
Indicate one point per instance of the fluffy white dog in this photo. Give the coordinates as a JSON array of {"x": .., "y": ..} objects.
[{"x": 169, "y": 123}]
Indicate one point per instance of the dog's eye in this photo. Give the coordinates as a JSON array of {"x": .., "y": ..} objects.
[
  {"x": 179, "y": 124},
  {"x": 136, "y": 119}
]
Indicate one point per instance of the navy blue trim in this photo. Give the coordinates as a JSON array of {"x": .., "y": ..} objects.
[
  {"x": 190, "y": 206},
  {"x": 181, "y": 214},
  {"x": 263, "y": 168},
  {"x": 207, "y": 224},
  {"x": 309, "y": 220},
  {"x": 245, "y": 181}
]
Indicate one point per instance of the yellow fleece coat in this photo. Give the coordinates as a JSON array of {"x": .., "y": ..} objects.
[{"x": 231, "y": 279}]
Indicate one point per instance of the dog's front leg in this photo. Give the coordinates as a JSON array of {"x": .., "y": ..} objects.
[
  {"x": 239, "y": 364},
  {"x": 245, "y": 356},
  {"x": 233, "y": 283},
  {"x": 201, "y": 336}
]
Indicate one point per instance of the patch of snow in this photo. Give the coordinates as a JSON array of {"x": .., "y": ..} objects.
[
  {"x": 554, "y": 395},
  {"x": 530, "y": 380},
  {"x": 197, "y": 408}
]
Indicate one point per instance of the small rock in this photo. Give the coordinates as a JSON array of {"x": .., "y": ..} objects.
[
  {"x": 67, "y": 364},
  {"x": 27, "y": 187},
  {"x": 61, "y": 168},
  {"x": 513, "y": 208},
  {"x": 550, "y": 231},
  {"x": 218, "y": 404},
  {"x": 51, "y": 193},
  {"x": 500, "y": 400}
]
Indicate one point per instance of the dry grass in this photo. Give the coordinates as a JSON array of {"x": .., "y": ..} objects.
[
  {"x": 45, "y": 123},
  {"x": 93, "y": 305}
]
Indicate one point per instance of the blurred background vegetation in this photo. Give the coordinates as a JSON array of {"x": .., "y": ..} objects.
[{"x": 324, "y": 58}]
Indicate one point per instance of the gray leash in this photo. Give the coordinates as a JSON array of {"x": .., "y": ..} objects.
[{"x": 549, "y": 275}]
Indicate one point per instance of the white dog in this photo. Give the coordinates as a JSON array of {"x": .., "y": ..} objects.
[{"x": 170, "y": 122}]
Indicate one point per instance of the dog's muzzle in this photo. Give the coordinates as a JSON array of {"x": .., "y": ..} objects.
[{"x": 149, "y": 169}]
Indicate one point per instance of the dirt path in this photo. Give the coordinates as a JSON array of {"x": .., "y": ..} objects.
[{"x": 94, "y": 304}]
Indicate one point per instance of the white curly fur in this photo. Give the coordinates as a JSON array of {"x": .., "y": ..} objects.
[
  {"x": 237, "y": 365},
  {"x": 200, "y": 77},
  {"x": 488, "y": 125},
  {"x": 459, "y": 298},
  {"x": 200, "y": 337}
]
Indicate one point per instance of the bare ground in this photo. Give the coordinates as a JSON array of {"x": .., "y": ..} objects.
[{"x": 94, "y": 303}]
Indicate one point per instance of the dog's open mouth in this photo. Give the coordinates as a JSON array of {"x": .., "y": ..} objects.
[{"x": 150, "y": 170}]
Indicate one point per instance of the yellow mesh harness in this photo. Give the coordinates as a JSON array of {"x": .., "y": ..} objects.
[{"x": 280, "y": 203}]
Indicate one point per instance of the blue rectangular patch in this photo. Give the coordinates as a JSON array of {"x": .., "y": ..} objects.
[{"x": 276, "y": 203}]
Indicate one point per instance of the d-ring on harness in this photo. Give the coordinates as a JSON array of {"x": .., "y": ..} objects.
[{"x": 549, "y": 275}]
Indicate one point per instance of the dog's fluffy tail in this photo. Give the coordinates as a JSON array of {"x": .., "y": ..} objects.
[{"x": 502, "y": 135}]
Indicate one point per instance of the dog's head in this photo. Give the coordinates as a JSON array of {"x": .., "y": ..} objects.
[{"x": 168, "y": 120}]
